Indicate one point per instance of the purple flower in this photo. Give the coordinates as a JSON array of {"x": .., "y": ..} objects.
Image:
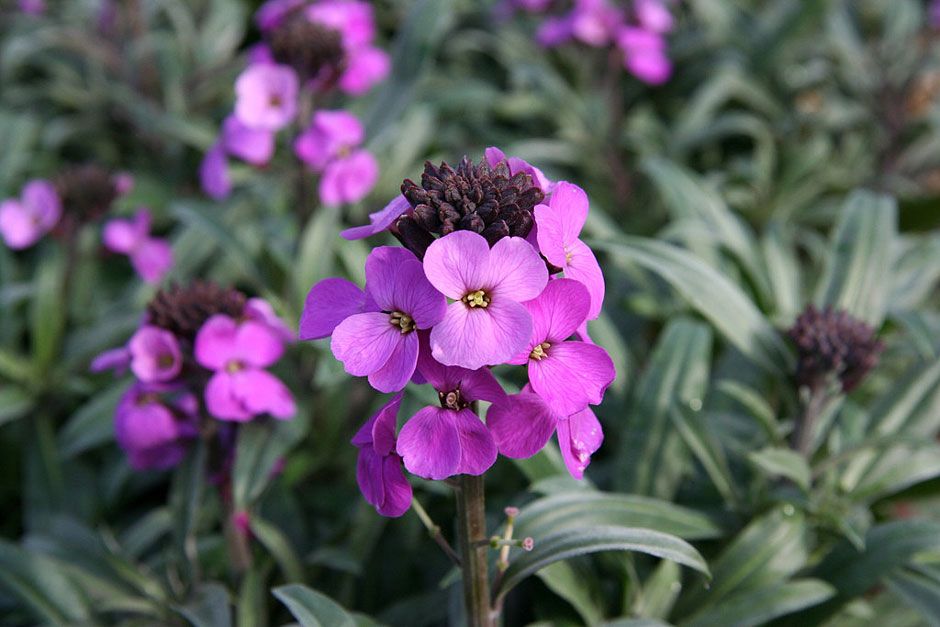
[
  {"x": 378, "y": 470},
  {"x": 486, "y": 324},
  {"x": 439, "y": 442},
  {"x": 254, "y": 145},
  {"x": 23, "y": 222},
  {"x": 270, "y": 15},
  {"x": 523, "y": 423},
  {"x": 260, "y": 310},
  {"x": 151, "y": 257},
  {"x": 380, "y": 220},
  {"x": 240, "y": 388},
  {"x": 381, "y": 343},
  {"x": 155, "y": 355},
  {"x": 330, "y": 146},
  {"x": 328, "y": 303},
  {"x": 569, "y": 375},
  {"x": 559, "y": 224},
  {"x": 592, "y": 22},
  {"x": 116, "y": 359},
  {"x": 365, "y": 67},
  {"x": 153, "y": 431},
  {"x": 644, "y": 54},
  {"x": 266, "y": 96},
  {"x": 213, "y": 173},
  {"x": 32, "y": 7},
  {"x": 653, "y": 15}
]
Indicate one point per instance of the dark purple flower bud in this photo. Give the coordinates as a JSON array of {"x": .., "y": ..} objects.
[
  {"x": 87, "y": 191},
  {"x": 183, "y": 310},
  {"x": 832, "y": 343},
  {"x": 312, "y": 49},
  {"x": 484, "y": 198}
]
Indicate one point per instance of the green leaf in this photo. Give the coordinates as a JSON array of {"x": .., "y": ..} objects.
[
  {"x": 279, "y": 547},
  {"x": 209, "y": 607},
  {"x": 14, "y": 403},
  {"x": 312, "y": 264},
  {"x": 313, "y": 609},
  {"x": 93, "y": 423},
  {"x": 751, "y": 608},
  {"x": 594, "y": 539},
  {"x": 571, "y": 510},
  {"x": 251, "y": 605},
  {"x": 768, "y": 550},
  {"x": 562, "y": 579},
  {"x": 48, "y": 312},
  {"x": 41, "y": 585},
  {"x": 260, "y": 445},
  {"x": 185, "y": 502},
  {"x": 860, "y": 267},
  {"x": 635, "y": 622},
  {"x": 707, "y": 450},
  {"x": 204, "y": 218},
  {"x": 919, "y": 587},
  {"x": 783, "y": 462},
  {"x": 651, "y": 459},
  {"x": 710, "y": 293}
]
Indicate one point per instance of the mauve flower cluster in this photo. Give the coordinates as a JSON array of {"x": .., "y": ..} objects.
[
  {"x": 201, "y": 351},
  {"x": 638, "y": 28},
  {"x": 492, "y": 272},
  {"x": 308, "y": 48},
  {"x": 80, "y": 195}
]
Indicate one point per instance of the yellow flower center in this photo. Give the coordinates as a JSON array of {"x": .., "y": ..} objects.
[
  {"x": 403, "y": 321},
  {"x": 234, "y": 366},
  {"x": 478, "y": 298},
  {"x": 540, "y": 351}
]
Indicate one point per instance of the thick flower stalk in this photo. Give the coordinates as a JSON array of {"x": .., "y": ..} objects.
[
  {"x": 492, "y": 273},
  {"x": 308, "y": 50},
  {"x": 200, "y": 357}
]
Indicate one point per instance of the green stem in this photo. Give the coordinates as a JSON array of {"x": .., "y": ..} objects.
[
  {"x": 435, "y": 531},
  {"x": 805, "y": 429},
  {"x": 471, "y": 530}
]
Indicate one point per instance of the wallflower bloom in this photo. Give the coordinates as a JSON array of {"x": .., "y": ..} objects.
[
  {"x": 378, "y": 469},
  {"x": 23, "y": 222},
  {"x": 213, "y": 173},
  {"x": 439, "y": 442},
  {"x": 241, "y": 389},
  {"x": 559, "y": 225},
  {"x": 155, "y": 355},
  {"x": 266, "y": 97},
  {"x": 523, "y": 423},
  {"x": 486, "y": 324},
  {"x": 365, "y": 65},
  {"x": 382, "y": 343},
  {"x": 569, "y": 375},
  {"x": 644, "y": 54},
  {"x": 151, "y": 257},
  {"x": 252, "y": 145},
  {"x": 330, "y": 145},
  {"x": 152, "y": 430},
  {"x": 328, "y": 303}
]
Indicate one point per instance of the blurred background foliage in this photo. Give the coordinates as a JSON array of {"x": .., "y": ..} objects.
[{"x": 794, "y": 157}]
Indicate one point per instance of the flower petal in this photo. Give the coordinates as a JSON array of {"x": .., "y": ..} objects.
[
  {"x": 473, "y": 338},
  {"x": 521, "y": 424},
  {"x": 369, "y": 467},
  {"x": 215, "y": 342},
  {"x": 558, "y": 311},
  {"x": 213, "y": 173},
  {"x": 120, "y": 236},
  {"x": 40, "y": 197},
  {"x": 223, "y": 401},
  {"x": 579, "y": 436},
  {"x": 397, "y": 371},
  {"x": 560, "y": 221},
  {"x": 582, "y": 266},
  {"x": 365, "y": 342},
  {"x": 515, "y": 270},
  {"x": 258, "y": 344},
  {"x": 155, "y": 354},
  {"x": 365, "y": 67},
  {"x": 263, "y": 393},
  {"x": 396, "y": 281},
  {"x": 329, "y": 302},
  {"x": 152, "y": 259},
  {"x": 477, "y": 385},
  {"x": 572, "y": 376},
  {"x": 386, "y": 422},
  {"x": 458, "y": 263},
  {"x": 398, "y": 493},
  {"x": 252, "y": 145},
  {"x": 349, "y": 179},
  {"x": 379, "y": 220},
  {"x": 17, "y": 226},
  {"x": 477, "y": 448},
  {"x": 429, "y": 444}
]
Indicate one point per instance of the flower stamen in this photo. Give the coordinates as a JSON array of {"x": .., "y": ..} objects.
[
  {"x": 540, "y": 351},
  {"x": 234, "y": 366},
  {"x": 403, "y": 321},
  {"x": 452, "y": 400},
  {"x": 479, "y": 298}
]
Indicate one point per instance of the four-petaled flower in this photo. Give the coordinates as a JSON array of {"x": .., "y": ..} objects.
[
  {"x": 266, "y": 96},
  {"x": 439, "y": 442},
  {"x": 153, "y": 424},
  {"x": 378, "y": 469},
  {"x": 381, "y": 342},
  {"x": 25, "y": 220},
  {"x": 151, "y": 257},
  {"x": 154, "y": 354},
  {"x": 486, "y": 324},
  {"x": 238, "y": 352}
]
